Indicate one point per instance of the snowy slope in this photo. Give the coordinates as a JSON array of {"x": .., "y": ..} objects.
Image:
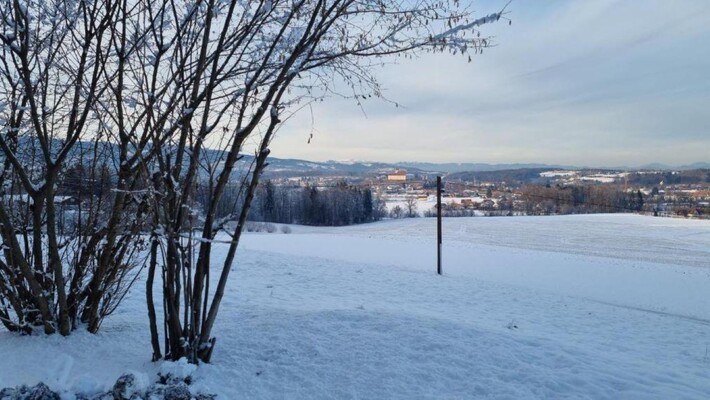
[
  {"x": 588, "y": 307},
  {"x": 660, "y": 264}
]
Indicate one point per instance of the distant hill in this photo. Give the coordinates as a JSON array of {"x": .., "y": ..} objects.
[
  {"x": 294, "y": 167},
  {"x": 510, "y": 176},
  {"x": 666, "y": 167},
  {"x": 481, "y": 167},
  {"x": 465, "y": 167},
  {"x": 687, "y": 176},
  {"x": 286, "y": 167}
]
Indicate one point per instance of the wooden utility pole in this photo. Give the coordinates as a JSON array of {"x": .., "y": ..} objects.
[{"x": 438, "y": 225}]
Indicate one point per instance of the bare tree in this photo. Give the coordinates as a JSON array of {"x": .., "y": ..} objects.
[
  {"x": 241, "y": 69},
  {"x": 397, "y": 212},
  {"x": 411, "y": 205},
  {"x": 160, "y": 98}
]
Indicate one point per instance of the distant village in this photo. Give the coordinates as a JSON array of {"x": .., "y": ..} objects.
[
  {"x": 532, "y": 191},
  {"x": 334, "y": 198}
]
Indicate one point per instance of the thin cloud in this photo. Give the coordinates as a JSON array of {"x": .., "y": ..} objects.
[{"x": 588, "y": 83}]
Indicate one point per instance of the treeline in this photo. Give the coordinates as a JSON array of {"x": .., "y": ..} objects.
[
  {"x": 512, "y": 177},
  {"x": 694, "y": 176},
  {"x": 341, "y": 204},
  {"x": 545, "y": 200},
  {"x": 338, "y": 205}
]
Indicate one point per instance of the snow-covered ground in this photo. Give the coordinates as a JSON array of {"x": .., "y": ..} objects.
[{"x": 584, "y": 307}]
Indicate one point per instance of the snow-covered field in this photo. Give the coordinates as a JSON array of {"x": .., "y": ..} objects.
[{"x": 583, "y": 307}]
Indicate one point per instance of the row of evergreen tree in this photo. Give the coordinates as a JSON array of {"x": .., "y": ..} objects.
[{"x": 337, "y": 205}]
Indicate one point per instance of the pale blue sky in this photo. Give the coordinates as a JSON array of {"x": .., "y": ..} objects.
[{"x": 593, "y": 82}]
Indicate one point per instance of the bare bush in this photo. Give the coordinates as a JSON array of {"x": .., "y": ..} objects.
[
  {"x": 397, "y": 212},
  {"x": 68, "y": 260}
]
